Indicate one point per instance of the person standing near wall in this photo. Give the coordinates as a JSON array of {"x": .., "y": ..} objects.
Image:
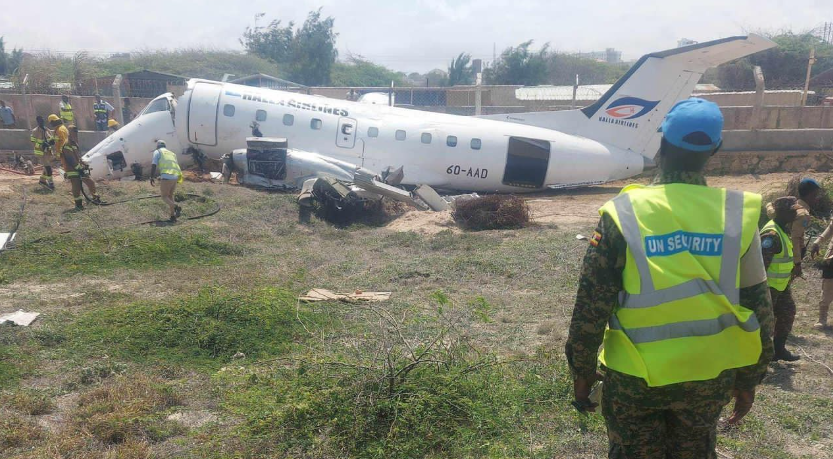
[
  {"x": 7, "y": 119},
  {"x": 65, "y": 110},
  {"x": 101, "y": 113}
]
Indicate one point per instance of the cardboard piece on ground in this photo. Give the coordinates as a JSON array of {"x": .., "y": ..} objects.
[
  {"x": 320, "y": 294},
  {"x": 22, "y": 318}
]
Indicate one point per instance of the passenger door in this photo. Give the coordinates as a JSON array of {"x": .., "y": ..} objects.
[{"x": 202, "y": 113}]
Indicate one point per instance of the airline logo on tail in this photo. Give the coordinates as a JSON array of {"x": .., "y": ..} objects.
[{"x": 627, "y": 108}]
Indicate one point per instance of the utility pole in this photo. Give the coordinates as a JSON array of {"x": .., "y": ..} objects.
[
  {"x": 477, "y": 65},
  {"x": 117, "y": 99},
  {"x": 810, "y": 63},
  {"x": 575, "y": 91}
]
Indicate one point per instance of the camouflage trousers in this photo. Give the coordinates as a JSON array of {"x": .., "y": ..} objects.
[
  {"x": 675, "y": 421},
  {"x": 783, "y": 307}
]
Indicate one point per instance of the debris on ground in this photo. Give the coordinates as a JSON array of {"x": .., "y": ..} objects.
[
  {"x": 492, "y": 212},
  {"x": 320, "y": 294},
  {"x": 19, "y": 317}
]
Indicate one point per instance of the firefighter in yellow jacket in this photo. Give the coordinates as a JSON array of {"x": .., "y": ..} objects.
[
  {"x": 41, "y": 138},
  {"x": 674, "y": 285}
]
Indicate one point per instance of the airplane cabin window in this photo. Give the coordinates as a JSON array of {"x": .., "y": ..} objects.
[
  {"x": 228, "y": 110},
  {"x": 260, "y": 115},
  {"x": 158, "y": 105},
  {"x": 426, "y": 137},
  {"x": 400, "y": 134},
  {"x": 451, "y": 141},
  {"x": 373, "y": 132},
  {"x": 315, "y": 124},
  {"x": 288, "y": 120},
  {"x": 476, "y": 144}
]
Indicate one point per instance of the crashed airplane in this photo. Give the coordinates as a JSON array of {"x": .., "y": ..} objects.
[{"x": 377, "y": 146}]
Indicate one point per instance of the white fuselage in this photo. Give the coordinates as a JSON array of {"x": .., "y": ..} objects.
[{"x": 440, "y": 150}]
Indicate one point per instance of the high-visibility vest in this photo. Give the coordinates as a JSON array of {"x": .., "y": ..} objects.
[
  {"x": 100, "y": 111},
  {"x": 781, "y": 267},
  {"x": 679, "y": 317},
  {"x": 66, "y": 113},
  {"x": 168, "y": 163},
  {"x": 37, "y": 142}
]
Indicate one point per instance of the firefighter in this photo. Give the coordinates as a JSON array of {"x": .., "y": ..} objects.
[
  {"x": 76, "y": 170},
  {"x": 41, "y": 138}
]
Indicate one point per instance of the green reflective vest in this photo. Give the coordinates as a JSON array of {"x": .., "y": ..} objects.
[
  {"x": 168, "y": 163},
  {"x": 100, "y": 111},
  {"x": 67, "y": 114},
  {"x": 679, "y": 317},
  {"x": 779, "y": 272}
]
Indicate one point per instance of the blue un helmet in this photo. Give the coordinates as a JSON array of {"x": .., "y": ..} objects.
[{"x": 694, "y": 124}]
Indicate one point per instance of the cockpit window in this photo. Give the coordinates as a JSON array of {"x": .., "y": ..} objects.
[{"x": 158, "y": 105}]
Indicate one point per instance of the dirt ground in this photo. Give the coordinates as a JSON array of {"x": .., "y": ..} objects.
[
  {"x": 524, "y": 281},
  {"x": 574, "y": 209}
]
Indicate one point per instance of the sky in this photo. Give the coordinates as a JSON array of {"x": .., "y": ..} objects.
[{"x": 414, "y": 35}]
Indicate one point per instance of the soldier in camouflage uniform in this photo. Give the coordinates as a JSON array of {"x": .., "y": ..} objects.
[
  {"x": 785, "y": 213},
  {"x": 676, "y": 420}
]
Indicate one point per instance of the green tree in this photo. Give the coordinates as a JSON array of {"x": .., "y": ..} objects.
[
  {"x": 9, "y": 63},
  {"x": 563, "y": 68},
  {"x": 784, "y": 66},
  {"x": 306, "y": 54},
  {"x": 520, "y": 66},
  {"x": 460, "y": 71},
  {"x": 358, "y": 71}
]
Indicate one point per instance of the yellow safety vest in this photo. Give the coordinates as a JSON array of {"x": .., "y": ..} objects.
[
  {"x": 168, "y": 163},
  {"x": 37, "y": 142},
  {"x": 66, "y": 113},
  {"x": 679, "y": 317},
  {"x": 780, "y": 270}
]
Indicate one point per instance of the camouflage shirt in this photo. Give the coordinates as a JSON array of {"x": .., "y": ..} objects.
[{"x": 597, "y": 298}]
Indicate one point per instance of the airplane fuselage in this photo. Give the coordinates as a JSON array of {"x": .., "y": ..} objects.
[{"x": 441, "y": 150}]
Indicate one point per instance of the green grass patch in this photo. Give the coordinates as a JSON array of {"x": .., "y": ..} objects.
[
  {"x": 457, "y": 408},
  {"x": 61, "y": 255},
  {"x": 204, "y": 329}
]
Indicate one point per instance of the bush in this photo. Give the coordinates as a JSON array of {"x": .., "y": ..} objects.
[{"x": 492, "y": 212}]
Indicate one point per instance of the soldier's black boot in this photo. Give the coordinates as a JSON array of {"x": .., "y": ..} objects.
[{"x": 781, "y": 352}]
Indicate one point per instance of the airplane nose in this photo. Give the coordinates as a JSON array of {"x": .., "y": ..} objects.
[{"x": 98, "y": 167}]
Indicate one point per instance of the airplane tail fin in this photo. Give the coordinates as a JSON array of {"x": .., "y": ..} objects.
[{"x": 628, "y": 116}]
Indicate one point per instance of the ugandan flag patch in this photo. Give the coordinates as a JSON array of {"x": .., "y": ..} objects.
[{"x": 596, "y": 238}]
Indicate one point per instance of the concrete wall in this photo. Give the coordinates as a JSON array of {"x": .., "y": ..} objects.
[
  {"x": 45, "y": 105},
  {"x": 728, "y": 99},
  {"x": 18, "y": 140},
  {"x": 763, "y": 162}
]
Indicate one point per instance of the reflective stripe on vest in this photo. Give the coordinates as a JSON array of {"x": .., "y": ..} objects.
[
  {"x": 679, "y": 317},
  {"x": 780, "y": 269},
  {"x": 100, "y": 112},
  {"x": 66, "y": 113},
  {"x": 168, "y": 163}
]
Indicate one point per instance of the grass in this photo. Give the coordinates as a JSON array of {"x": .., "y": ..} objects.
[
  {"x": 62, "y": 255},
  {"x": 207, "y": 328},
  {"x": 140, "y": 323}
]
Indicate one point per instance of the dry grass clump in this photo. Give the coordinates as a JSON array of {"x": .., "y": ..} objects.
[
  {"x": 127, "y": 409},
  {"x": 492, "y": 212},
  {"x": 17, "y": 431},
  {"x": 33, "y": 403}
]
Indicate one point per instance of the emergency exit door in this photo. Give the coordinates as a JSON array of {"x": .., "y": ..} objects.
[
  {"x": 202, "y": 113},
  {"x": 346, "y": 137}
]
